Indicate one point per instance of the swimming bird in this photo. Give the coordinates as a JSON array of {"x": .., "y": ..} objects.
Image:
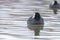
[
  {"x": 55, "y": 5},
  {"x": 35, "y": 23}
]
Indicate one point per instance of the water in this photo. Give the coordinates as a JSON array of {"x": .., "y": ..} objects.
[{"x": 15, "y": 13}]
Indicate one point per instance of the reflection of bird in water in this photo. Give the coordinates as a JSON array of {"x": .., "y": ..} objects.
[
  {"x": 35, "y": 23},
  {"x": 55, "y": 6},
  {"x": 55, "y": 11}
]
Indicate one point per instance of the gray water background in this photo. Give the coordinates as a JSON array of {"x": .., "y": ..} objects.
[{"x": 15, "y": 13}]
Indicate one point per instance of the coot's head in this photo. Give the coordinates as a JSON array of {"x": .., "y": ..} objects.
[
  {"x": 55, "y": 2},
  {"x": 37, "y": 16}
]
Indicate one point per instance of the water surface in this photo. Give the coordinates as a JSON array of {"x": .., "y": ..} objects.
[{"x": 15, "y": 13}]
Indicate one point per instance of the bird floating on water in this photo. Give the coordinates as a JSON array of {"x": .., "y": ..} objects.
[
  {"x": 35, "y": 23},
  {"x": 55, "y": 5}
]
